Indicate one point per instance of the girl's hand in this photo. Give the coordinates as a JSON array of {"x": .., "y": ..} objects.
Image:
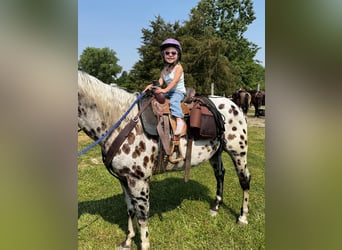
[
  {"x": 160, "y": 90},
  {"x": 148, "y": 87}
]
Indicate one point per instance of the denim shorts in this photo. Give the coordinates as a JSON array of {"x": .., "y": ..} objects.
[{"x": 175, "y": 103}]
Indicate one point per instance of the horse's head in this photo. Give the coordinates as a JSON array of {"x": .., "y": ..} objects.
[{"x": 100, "y": 105}]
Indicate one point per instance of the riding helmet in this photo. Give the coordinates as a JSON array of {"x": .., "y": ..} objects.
[{"x": 171, "y": 42}]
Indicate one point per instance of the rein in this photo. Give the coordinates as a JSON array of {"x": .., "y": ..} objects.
[
  {"x": 112, "y": 128},
  {"x": 122, "y": 136}
]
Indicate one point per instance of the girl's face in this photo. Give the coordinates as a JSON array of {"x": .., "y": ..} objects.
[{"x": 170, "y": 55}]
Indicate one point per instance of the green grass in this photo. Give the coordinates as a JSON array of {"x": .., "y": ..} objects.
[{"x": 179, "y": 212}]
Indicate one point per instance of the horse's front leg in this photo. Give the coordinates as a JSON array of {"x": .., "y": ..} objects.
[
  {"x": 141, "y": 201},
  {"x": 144, "y": 234},
  {"x": 131, "y": 215},
  {"x": 137, "y": 199}
]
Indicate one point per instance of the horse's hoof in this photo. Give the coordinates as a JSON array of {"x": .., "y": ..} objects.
[
  {"x": 213, "y": 212},
  {"x": 123, "y": 246},
  {"x": 242, "y": 221}
]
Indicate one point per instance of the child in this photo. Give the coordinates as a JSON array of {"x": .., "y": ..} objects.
[{"x": 173, "y": 76}]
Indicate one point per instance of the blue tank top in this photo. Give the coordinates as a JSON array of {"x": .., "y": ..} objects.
[{"x": 180, "y": 86}]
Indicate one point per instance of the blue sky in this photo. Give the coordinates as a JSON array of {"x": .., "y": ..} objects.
[{"x": 118, "y": 24}]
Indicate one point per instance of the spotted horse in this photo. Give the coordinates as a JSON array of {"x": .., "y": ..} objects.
[{"x": 101, "y": 105}]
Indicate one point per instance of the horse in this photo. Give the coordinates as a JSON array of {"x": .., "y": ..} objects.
[
  {"x": 101, "y": 105},
  {"x": 258, "y": 99},
  {"x": 243, "y": 99}
]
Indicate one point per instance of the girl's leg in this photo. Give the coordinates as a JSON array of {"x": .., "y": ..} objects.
[
  {"x": 180, "y": 125},
  {"x": 175, "y": 104},
  {"x": 176, "y": 110}
]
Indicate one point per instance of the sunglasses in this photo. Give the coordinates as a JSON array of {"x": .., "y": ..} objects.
[{"x": 170, "y": 52}]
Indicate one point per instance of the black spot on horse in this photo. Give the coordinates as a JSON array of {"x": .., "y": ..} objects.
[
  {"x": 124, "y": 171},
  {"x": 126, "y": 149},
  {"x": 142, "y": 146},
  {"x": 146, "y": 160}
]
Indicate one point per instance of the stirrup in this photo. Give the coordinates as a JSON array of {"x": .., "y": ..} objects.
[{"x": 175, "y": 145}]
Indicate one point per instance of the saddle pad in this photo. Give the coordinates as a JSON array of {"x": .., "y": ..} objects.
[{"x": 148, "y": 118}]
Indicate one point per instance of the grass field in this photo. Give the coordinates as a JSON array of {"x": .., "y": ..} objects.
[{"x": 179, "y": 212}]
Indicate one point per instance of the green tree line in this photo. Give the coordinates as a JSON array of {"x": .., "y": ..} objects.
[{"x": 214, "y": 51}]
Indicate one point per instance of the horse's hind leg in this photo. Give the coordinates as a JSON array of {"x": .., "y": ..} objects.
[
  {"x": 256, "y": 108},
  {"x": 240, "y": 163},
  {"x": 216, "y": 162}
]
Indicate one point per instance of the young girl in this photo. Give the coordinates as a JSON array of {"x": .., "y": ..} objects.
[{"x": 172, "y": 76}]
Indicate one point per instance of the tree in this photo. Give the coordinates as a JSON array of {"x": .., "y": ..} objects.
[
  {"x": 101, "y": 63},
  {"x": 127, "y": 82},
  {"x": 214, "y": 48},
  {"x": 227, "y": 20},
  {"x": 150, "y": 63},
  {"x": 204, "y": 60}
]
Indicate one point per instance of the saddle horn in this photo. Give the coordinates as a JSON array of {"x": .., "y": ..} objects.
[{"x": 160, "y": 97}]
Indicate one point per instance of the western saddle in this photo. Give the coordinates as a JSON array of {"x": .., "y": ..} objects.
[{"x": 202, "y": 119}]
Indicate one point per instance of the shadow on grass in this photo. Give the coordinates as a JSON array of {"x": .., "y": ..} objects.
[{"x": 165, "y": 195}]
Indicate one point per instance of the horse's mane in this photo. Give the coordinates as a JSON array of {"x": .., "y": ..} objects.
[{"x": 111, "y": 101}]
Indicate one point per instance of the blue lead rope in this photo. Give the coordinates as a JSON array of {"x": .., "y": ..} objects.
[{"x": 112, "y": 128}]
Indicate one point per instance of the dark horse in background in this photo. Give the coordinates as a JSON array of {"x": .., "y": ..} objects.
[
  {"x": 258, "y": 100},
  {"x": 242, "y": 99}
]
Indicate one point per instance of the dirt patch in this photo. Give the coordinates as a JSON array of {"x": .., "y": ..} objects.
[{"x": 256, "y": 121}]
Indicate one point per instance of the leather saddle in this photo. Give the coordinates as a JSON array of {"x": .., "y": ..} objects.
[
  {"x": 150, "y": 118},
  {"x": 203, "y": 121},
  {"x": 157, "y": 122}
]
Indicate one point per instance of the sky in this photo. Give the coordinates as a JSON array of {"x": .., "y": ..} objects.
[{"x": 118, "y": 24}]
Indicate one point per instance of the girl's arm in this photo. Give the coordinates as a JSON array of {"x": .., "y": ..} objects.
[
  {"x": 149, "y": 87},
  {"x": 178, "y": 74},
  {"x": 161, "y": 81}
]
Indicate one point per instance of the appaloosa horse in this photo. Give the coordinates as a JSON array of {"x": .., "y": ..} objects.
[
  {"x": 101, "y": 105},
  {"x": 243, "y": 99}
]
